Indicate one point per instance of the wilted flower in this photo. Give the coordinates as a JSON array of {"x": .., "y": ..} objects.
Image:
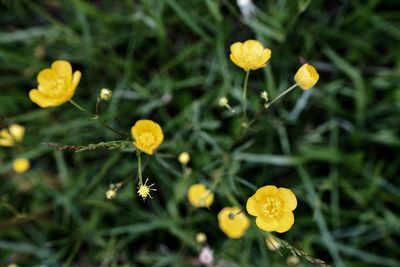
[
  {"x": 250, "y": 55},
  {"x": 273, "y": 208},
  {"x": 21, "y": 165},
  {"x": 144, "y": 190},
  {"x": 199, "y": 196},
  {"x": 56, "y": 85},
  {"x": 148, "y": 135},
  {"x": 14, "y": 133},
  {"x": 306, "y": 77},
  {"x": 233, "y": 222}
]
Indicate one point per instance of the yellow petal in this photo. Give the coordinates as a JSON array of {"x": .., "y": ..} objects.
[
  {"x": 46, "y": 76},
  {"x": 266, "y": 191},
  {"x": 6, "y": 138},
  {"x": 75, "y": 80},
  {"x": 289, "y": 199},
  {"x": 63, "y": 69},
  {"x": 233, "y": 222},
  {"x": 251, "y": 206},
  {"x": 17, "y": 132},
  {"x": 39, "y": 98},
  {"x": 266, "y": 224},
  {"x": 199, "y": 196},
  {"x": 236, "y": 49},
  {"x": 253, "y": 47},
  {"x": 266, "y": 55},
  {"x": 285, "y": 222}
]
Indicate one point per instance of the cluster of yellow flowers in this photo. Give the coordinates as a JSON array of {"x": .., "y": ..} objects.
[
  {"x": 57, "y": 85},
  {"x": 273, "y": 207},
  {"x": 10, "y": 137},
  {"x": 251, "y": 55}
]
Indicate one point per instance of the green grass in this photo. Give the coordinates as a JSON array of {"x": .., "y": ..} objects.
[{"x": 335, "y": 146}]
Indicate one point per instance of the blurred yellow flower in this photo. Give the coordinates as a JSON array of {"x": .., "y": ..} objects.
[
  {"x": 199, "y": 196},
  {"x": 14, "y": 133},
  {"x": 250, "y": 55},
  {"x": 21, "y": 165},
  {"x": 233, "y": 222},
  {"x": 56, "y": 85},
  {"x": 184, "y": 158},
  {"x": 201, "y": 238},
  {"x": 148, "y": 135},
  {"x": 306, "y": 77},
  {"x": 273, "y": 208}
]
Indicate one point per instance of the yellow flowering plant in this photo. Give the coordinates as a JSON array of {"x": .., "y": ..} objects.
[
  {"x": 233, "y": 222},
  {"x": 21, "y": 165},
  {"x": 11, "y": 135},
  {"x": 273, "y": 208},
  {"x": 148, "y": 135},
  {"x": 56, "y": 85},
  {"x": 250, "y": 55},
  {"x": 306, "y": 77},
  {"x": 199, "y": 196}
]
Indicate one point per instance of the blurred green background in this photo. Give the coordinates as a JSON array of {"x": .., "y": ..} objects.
[{"x": 336, "y": 146}]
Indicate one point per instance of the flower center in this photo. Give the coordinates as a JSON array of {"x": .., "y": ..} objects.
[
  {"x": 147, "y": 139},
  {"x": 56, "y": 87},
  {"x": 271, "y": 207}
]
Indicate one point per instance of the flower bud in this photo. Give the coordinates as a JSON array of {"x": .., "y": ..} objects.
[
  {"x": 105, "y": 94},
  {"x": 201, "y": 238},
  {"x": 223, "y": 102},
  {"x": 184, "y": 158}
]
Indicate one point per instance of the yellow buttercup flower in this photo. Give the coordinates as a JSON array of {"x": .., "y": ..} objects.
[
  {"x": 233, "y": 222},
  {"x": 306, "y": 77},
  {"x": 21, "y": 165},
  {"x": 273, "y": 208},
  {"x": 56, "y": 85},
  {"x": 148, "y": 135},
  {"x": 14, "y": 133},
  {"x": 199, "y": 196},
  {"x": 250, "y": 55}
]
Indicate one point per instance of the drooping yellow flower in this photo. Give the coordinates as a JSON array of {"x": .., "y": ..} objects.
[
  {"x": 56, "y": 86},
  {"x": 148, "y": 135},
  {"x": 14, "y": 133},
  {"x": 21, "y": 165},
  {"x": 233, "y": 222},
  {"x": 199, "y": 196},
  {"x": 273, "y": 208},
  {"x": 306, "y": 77},
  {"x": 250, "y": 55}
]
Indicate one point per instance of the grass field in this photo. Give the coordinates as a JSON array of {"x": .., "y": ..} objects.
[{"x": 335, "y": 146}]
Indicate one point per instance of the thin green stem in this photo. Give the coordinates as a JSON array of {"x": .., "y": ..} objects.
[
  {"x": 246, "y": 79},
  {"x": 97, "y": 118},
  {"x": 139, "y": 167},
  {"x": 283, "y": 93}
]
